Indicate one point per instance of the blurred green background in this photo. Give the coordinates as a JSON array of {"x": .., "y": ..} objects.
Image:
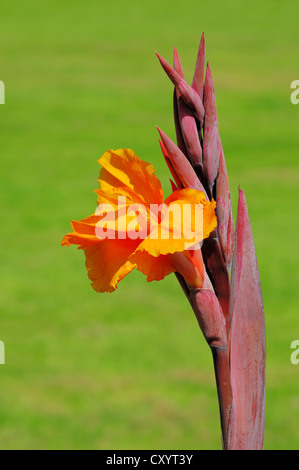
[{"x": 131, "y": 370}]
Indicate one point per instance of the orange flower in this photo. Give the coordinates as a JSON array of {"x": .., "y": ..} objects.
[{"x": 134, "y": 227}]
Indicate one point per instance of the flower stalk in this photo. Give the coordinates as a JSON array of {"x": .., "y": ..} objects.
[
  {"x": 224, "y": 390},
  {"x": 229, "y": 305}
]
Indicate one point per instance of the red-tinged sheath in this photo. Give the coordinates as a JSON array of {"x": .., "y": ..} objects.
[
  {"x": 199, "y": 73},
  {"x": 189, "y": 96},
  {"x": 178, "y": 130},
  {"x": 209, "y": 316},
  {"x": 211, "y": 320},
  {"x": 192, "y": 99},
  {"x": 186, "y": 122},
  {"x": 190, "y": 133},
  {"x": 224, "y": 212},
  {"x": 211, "y": 140},
  {"x": 174, "y": 76},
  {"x": 247, "y": 341},
  {"x": 218, "y": 272},
  {"x": 182, "y": 166},
  {"x": 173, "y": 185},
  {"x": 211, "y": 118},
  {"x": 179, "y": 134},
  {"x": 177, "y": 64},
  {"x": 170, "y": 166}
]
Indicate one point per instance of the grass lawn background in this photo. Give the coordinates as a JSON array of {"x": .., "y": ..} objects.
[{"x": 131, "y": 370}]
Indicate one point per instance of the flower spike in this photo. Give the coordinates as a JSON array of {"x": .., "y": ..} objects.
[{"x": 227, "y": 310}]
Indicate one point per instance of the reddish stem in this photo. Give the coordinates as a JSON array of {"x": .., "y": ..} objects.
[{"x": 222, "y": 374}]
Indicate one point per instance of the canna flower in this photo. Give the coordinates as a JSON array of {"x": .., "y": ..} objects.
[
  {"x": 134, "y": 227},
  {"x": 186, "y": 234}
]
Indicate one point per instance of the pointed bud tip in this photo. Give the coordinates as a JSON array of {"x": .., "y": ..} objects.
[
  {"x": 177, "y": 65},
  {"x": 242, "y": 199},
  {"x": 161, "y": 59},
  {"x": 162, "y": 134},
  {"x": 202, "y": 41},
  {"x": 174, "y": 76},
  {"x": 173, "y": 185},
  {"x": 242, "y": 206},
  {"x": 209, "y": 78}
]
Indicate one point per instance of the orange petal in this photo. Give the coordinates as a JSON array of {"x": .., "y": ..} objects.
[
  {"x": 107, "y": 263},
  {"x": 194, "y": 196},
  {"x": 123, "y": 168},
  {"x": 195, "y": 256},
  {"x": 122, "y": 213},
  {"x": 113, "y": 194},
  {"x": 155, "y": 268},
  {"x": 107, "y": 259},
  {"x": 179, "y": 227},
  {"x": 193, "y": 272},
  {"x": 83, "y": 232}
]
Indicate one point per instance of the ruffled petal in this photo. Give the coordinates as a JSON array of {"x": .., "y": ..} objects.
[
  {"x": 123, "y": 168},
  {"x": 107, "y": 263},
  {"x": 193, "y": 197},
  {"x": 155, "y": 268},
  {"x": 83, "y": 232},
  {"x": 107, "y": 260},
  {"x": 184, "y": 220}
]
